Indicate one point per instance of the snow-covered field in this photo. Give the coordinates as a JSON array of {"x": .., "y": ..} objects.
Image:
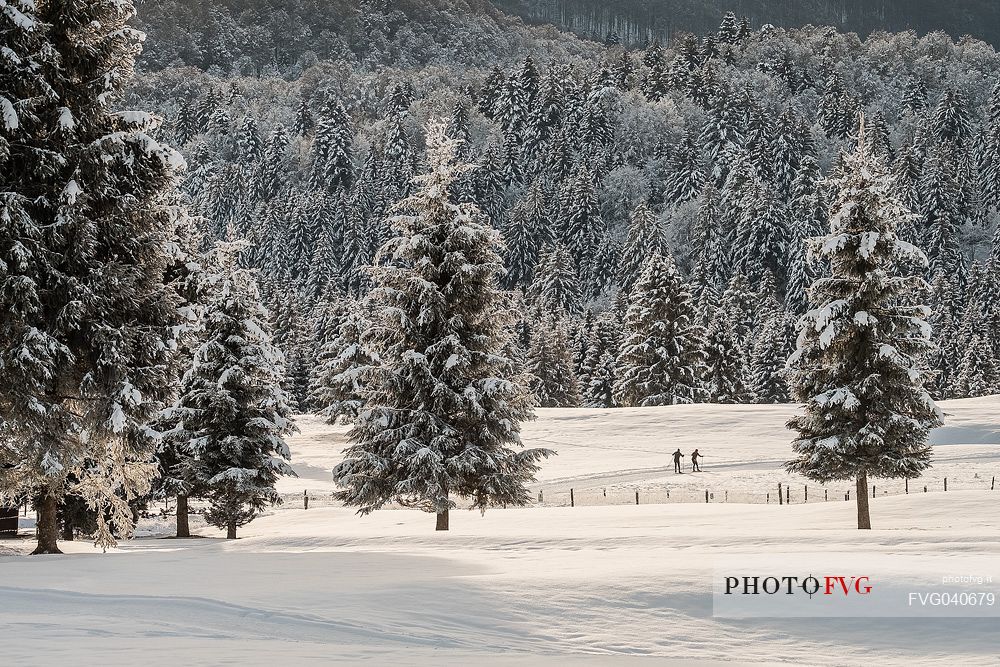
[
  {"x": 628, "y": 449},
  {"x": 542, "y": 585}
]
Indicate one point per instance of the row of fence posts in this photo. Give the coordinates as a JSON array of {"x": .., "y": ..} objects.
[
  {"x": 782, "y": 500},
  {"x": 784, "y": 494}
]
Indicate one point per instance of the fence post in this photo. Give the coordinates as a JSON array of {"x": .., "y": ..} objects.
[
  {"x": 727, "y": 496},
  {"x": 706, "y": 495},
  {"x": 781, "y": 501},
  {"x": 572, "y": 500},
  {"x": 847, "y": 496},
  {"x": 873, "y": 490},
  {"x": 541, "y": 497},
  {"x": 993, "y": 486},
  {"x": 826, "y": 494},
  {"x": 907, "y": 485},
  {"x": 945, "y": 483},
  {"x": 788, "y": 494},
  {"x": 637, "y": 496},
  {"x": 769, "y": 499},
  {"x": 305, "y": 499},
  {"x": 807, "y": 493}
]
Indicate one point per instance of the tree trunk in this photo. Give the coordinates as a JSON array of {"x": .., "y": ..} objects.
[
  {"x": 67, "y": 530},
  {"x": 442, "y": 520},
  {"x": 47, "y": 528},
  {"x": 864, "y": 515},
  {"x": 231, "y": 531},
  {"x": 183, "y": 526}
]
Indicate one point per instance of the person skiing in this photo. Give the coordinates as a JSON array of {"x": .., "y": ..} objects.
[
  {"x": 677, "y": 461},
  {"x": 694, "y": 461}
]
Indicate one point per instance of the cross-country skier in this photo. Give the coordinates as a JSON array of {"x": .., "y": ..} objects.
[
  {"x": 677, "y": 461},
  {"x": 694, "y": 461}
]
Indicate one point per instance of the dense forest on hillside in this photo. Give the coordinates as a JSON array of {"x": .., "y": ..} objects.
[
  {"x": 268, "y": 37},
  {"x": 713, "y": 149},
  {"x": 642, "y": 21}
]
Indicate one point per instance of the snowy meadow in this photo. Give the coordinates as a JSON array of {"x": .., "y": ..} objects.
[{"x": 540, "y": 585}]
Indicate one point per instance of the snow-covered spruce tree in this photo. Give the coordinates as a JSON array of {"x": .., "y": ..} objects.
[
  {"x": 332, "y": 166},
  {"x": 645, "y": 237},
  {"x": 686, "y": 176},
  {"x": 724, "y": 380},
  {"x": 663, "y": 350},
  {"x": 232, "y": 412},
  {"x": 443, "y": 405},
  {"x": 189, "y": 274},
  {"x": 550, "y": 364},
  {"x": 978, "y": 374},
  {"x": 580, "y": 216},
  {"x": 858, "y": 363},
  {"x": 775, "y": 341},
  {"x": 336, "y": 388},
  {"x": 557, "y": 287},
  {"x": 85, "y": 222}
]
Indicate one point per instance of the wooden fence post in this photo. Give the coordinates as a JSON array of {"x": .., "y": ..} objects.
[
  {"x": 780, "y": 499},
  {"x": 993, "y": 486},
  {"x": 788, "y": 494},
  {"x": 572, "y": 500},
  {"x": 305, "y": 499},
  {"x": 907, "y": 485},
  {"x": 847, "y": 496},
  {"x": 945, "y": 483},
  {"x": 727, "y": 496},
  {"x": 873, "y": 490},
  {"x": 826, "y": 494},
  {"x": 706, "y": 496},
  {"x": 768, "y": 499},
  {"x": 637, "y": 496},
  {"x": 807, "y": 493}
]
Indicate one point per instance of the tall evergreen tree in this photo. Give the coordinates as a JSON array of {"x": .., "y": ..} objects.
[
  {"x": 85, "y": 222},
  {"x": 725, "y": 377},
  {"x": 443, "y": 405},
  {"x": 332, "y": 151},
  {"x": 550, "y": 365},
  {"x": 557, "y": 287},
  {"x": 686, "y": 177},
  {"x": 663, "y": 352},
  {"x": 761, "y": 234},
  {"x": 232, "y": 411},
  {"x": 580, "y": 216},
  {"x": 304, "y": 121},
  {"x": 858, "y": 363},
  {"x": 774, "y": 343},
  {"x": 336, "y": 387},
  {"x": 646, "y": 237}
]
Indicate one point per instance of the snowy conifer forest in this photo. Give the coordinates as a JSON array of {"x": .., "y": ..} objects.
[
  {"x": 276, "y": 272},
  {"x": 714, "y": 152}
]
